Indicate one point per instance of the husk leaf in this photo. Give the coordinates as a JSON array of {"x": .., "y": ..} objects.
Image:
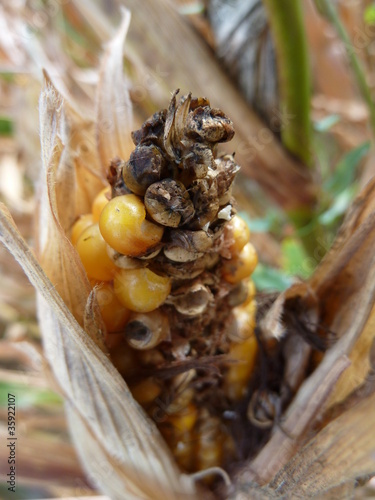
[
  {"x": 58, "y": 258},
  {"x": 114, "y": 108},
  {"x": 111, "y": 421}
]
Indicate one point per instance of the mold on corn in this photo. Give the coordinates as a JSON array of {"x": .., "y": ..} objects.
[{"x": 171, "y": 261}]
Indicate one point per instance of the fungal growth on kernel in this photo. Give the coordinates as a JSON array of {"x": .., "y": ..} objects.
[{"x": 171, "y": 258}]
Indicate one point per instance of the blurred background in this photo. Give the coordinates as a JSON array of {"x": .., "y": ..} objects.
[{"x": 299, "y": 86}]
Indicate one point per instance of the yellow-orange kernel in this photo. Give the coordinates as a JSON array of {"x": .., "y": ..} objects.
[
  {"x": 251, "y": 292},
  {"x": 124, "y": 359},
  {"x": 240, "y": 234},
  {"x": 244, "y": 322},
  {"x": 209, "y": 443},
  {"x": 146, "y": 391},
  {"x": 92, "y": 250},
  {"x": 238, "y": 374},
  {"x": 185, "y": 420},
  {"x": 100, "y": 202},
  {"x": 80, "y": 225},
  {"x": 124, "y": 227},
  {"x": 241, "y": 266},
  {"x": 183, "y": 451},
  {"x": 141, "y": 290},
  {"x": 114, "y": 314}
]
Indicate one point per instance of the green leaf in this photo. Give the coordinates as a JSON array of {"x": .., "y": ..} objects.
[
  {"x": 326, "y": 123},
  {"x": 338, "y": 207},
  {"x": 269, "y": 278},
  {"x": 271, "y": 222},
  {"x": 369, "y": 14},
  {"x": 344, "y": 173},
  {"x": 6, "y": 126},
  {"x": 27, "y": 396},
  {"x": 295, "y": 260}
]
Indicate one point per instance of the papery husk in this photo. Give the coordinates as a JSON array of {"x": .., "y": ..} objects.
[
  {"x": 106, "y": 418},
  {"x": 114, "y": 108},
  {"x": 343, "y": 451},
  {"x": 58, "y": 258}
]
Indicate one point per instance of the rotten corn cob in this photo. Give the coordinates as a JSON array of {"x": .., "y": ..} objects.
[{"x": 170, "y": 262}]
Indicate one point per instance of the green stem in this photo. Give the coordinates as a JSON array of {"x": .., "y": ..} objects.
[
  {"x": 327, "y": 8},
  {"x": 286, "y": 21}
]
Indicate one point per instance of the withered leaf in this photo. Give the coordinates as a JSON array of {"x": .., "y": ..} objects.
[
  {"x": 114, "y": 109},
  {"x": 59, "y": 259}
]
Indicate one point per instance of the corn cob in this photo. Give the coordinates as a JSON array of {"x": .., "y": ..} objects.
[{"x": 171, "y": 262}]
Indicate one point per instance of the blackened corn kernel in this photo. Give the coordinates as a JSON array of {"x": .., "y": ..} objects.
[{"x": 145, "y": 166}]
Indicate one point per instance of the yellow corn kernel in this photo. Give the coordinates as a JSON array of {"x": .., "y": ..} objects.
[
  {"x": 145, "y": 392},
  {"x": 140, "y": 289},
  {"x": 80, "y": 225},
  {"x": 124, "y": 359},
  {"x": 240, "y": 234},
  {"x": 183, "y": 451},
  {"x": 124, "y": 227},
  {"x": 185, "y": 420},
  {"x": 209, "y": 452},
  {"x": 100, "y": 202},
  {"x": 114, "y": 314},
  {"x": 238, "y": 374},
  {"x": 244, "y": 322},
  {"x": 251, "y": 292},
  {"x": 241, "y": 266},
  {"x": 92, "y": 250}
]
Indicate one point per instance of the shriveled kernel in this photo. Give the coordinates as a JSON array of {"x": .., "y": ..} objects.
[
  {"x": 114, "y": 314},
  {"x": 241, "y": 266},
  {"x": 144, "y": 167},
  {"x": 145, "y": 391},
  {"x": 141, "y": 290},
  {"x": 146, "y": 330},
  {"x": 123, "y": 226},
  {"x": 92, "y": 250},
  {"x": 100, "y": 202},
  {"x": 240, "y": 234},
  {"x": 168, "y": 203},
  {"x": 80, "y": 225}
]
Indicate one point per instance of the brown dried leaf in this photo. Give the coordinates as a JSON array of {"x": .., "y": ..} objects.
[
  {"x": 340, "y": 455},
  {"x": 272, "y": 324},
  {"x": 114, "y": 109},
  {"x": 108, "y": 421}
]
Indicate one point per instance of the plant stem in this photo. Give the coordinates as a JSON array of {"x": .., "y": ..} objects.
[
  {"x": 328, "y": 10},
  {"x": 286, "y": 20}
]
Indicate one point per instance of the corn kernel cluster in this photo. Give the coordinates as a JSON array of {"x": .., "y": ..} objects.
[{"x": 171, "y": 262}]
